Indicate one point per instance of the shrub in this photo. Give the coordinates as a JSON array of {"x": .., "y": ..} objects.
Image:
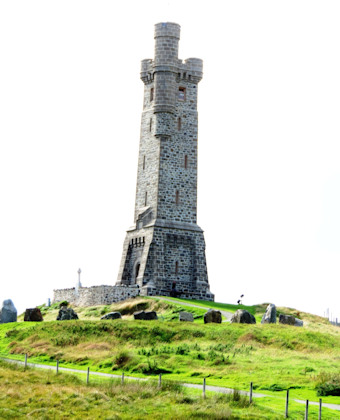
[
  {"x": 121, "y": 359},
  {"x": 328, "y": 384}
]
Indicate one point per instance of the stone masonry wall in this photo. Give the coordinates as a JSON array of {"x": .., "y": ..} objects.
[
  {"x": 95, "y": 295},
  {"x": 165, "y": 245}
]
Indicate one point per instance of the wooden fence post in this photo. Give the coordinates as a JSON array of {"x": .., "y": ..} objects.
[
  {"x": 160, "y": 381},
  {"x": 320, "y": 408},
  {"x": 25, "y": 361},
  {"x": 122, "y": 378},
  {"x": 287, "y": 402},
  {"x": 57, "y": 367},
  {"x": 251, "y": 393},
  {"x": 203, "y": 387},
  {"x": 88, "y": 376},
  {"x": 306, "y": 413}
]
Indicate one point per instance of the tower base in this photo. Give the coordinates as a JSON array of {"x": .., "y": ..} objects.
[{"x": 166, "y": 259}]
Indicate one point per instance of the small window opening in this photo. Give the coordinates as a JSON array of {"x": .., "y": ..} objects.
[
  {"x": 150, "y": 125},
  {"x": 146, "y": 199},
  {"x": 143, "y": 162},
  {"x": 179, "y": 124},
  {"x": 151, "y": 94},
  {"x": 181, "y": 93},
  {"x": 186, "y": 161},
  {"x": 137, "y": 270},
  {"x": 177, "y": 197},
  {"x": 176, "y": 268}
]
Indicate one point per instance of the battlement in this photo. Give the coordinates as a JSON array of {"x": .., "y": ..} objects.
[{"x": 190, "y": 70}]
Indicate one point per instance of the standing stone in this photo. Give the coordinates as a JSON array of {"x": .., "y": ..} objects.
[
  {"x": 8, "y": 313},
  {"x": 287, "y": 319},
  {"x": 212, "y": 316},
  {"x": 298, "y": 322},
  {"x": 112, "y": 315},
  {"x": 33, "y": 315},
  {"x": 186, "y": 316},
  {"x": 243, "y": 317},
  {"x": 165, "y": 246},
  {"x": 66, "y": 314},
  {"x": 146, "y": 316},
  {"x": 270, "y": 316}
]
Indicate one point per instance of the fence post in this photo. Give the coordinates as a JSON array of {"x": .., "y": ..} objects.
[
  {"x": 57, "y": 367},
  {"x": 306, "y": 414},
  {"x": 160, "y": 381},
  {"x": 320, "y": 408},
  {"x": 203, "y": 387},
  {"x": 287, "y": 402},
  {"x": 251, "y": 393},
  {"x": 122, "y": 378},
  {"x": 25, "y": 361},
  {"x": 88, "y": 376}
]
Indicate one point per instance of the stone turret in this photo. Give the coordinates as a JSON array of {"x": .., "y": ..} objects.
[{"x": 165, "y": 250}]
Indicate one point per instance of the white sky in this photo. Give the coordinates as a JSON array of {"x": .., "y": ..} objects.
[{"x": 269, "y": 143}]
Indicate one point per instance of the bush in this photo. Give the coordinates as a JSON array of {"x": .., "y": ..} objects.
[
  {"x": 328, "y": 384},
  {"x": 121, "y": 359}
]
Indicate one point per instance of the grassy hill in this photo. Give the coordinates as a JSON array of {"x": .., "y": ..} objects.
[{"x": 273, "y": 357}]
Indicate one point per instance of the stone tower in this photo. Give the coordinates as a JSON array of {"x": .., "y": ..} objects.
[{"x": 164, "y": 251}]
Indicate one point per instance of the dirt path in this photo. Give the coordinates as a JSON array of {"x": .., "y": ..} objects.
[{"x": 186, "y": 385}]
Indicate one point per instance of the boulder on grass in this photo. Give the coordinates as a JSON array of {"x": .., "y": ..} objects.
[
  {"x": 66, "y": 314},
  {"x": 146, "y": 316},
  {"x": 8, "y": 313},
  {"x": 298, "y": 322},
  {"x": 186, "y": 316},
  {"x": 270, "y": 316},
  {"x": 33, "y": 315},
  {"x": 112, "y": 315},
  {"x": 243, "y": 317},
  {"x": 287, "y": 319},
  {"x": 212, "y": 316}
]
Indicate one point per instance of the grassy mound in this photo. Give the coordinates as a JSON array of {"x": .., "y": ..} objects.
[{"x": 273, "y": 357}]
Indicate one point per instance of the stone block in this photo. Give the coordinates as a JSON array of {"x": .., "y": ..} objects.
[
  {"x": 112, "y": 315},
  {"x": 243, "y": 317},
  {"x": 212, "y": 316},
  {"x": 146, "y": 316},
  {"x": 287, "y": 319},
  {"x": 33, "y": 315},
  {"x": 8, "y": 312},
  {"x": 66, "y": 314},
  {"x": 270, "y": 316},
  {"x": 298, "y": 322},
  {"x": 186, "y": 316}
]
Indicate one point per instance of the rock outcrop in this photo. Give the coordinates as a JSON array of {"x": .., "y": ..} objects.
[
  {"x": 212, "y": 316},
  {"x": 298, "y": 322},
  {"x": 270, "y": 316},
  {"x": 8, "y": 313},
  {"x": 186, "y": 316},
  {"x": 243, "y": 317},
  {"x": 33, "y": 315},
  {"x": 66, "y": 314},
  {"x": 112, "y": 315},
  {"x": 287, "y": 319},
  {"x": 146, "y": 316}
]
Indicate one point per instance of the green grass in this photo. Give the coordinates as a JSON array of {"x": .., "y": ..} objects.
[
  {"x": 44, "y": 395},
  {"x": 273, "y": 357}
]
